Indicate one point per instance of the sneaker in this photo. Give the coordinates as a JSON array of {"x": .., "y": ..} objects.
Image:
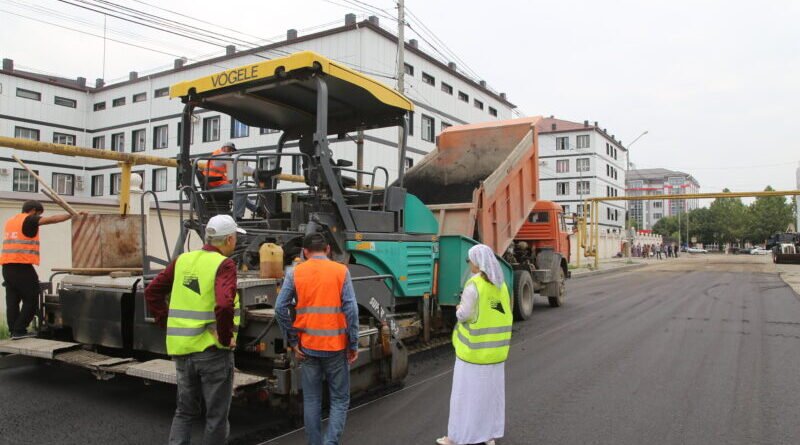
[
  {"x": 23, "y": 335},
  {"x": 489, "y": 442},
  {"x": 444, "y": 440}
]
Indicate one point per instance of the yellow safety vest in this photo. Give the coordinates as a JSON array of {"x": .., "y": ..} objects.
[
  {"x": 191, "y": 320},
  {"x": 486, "y": 340}
]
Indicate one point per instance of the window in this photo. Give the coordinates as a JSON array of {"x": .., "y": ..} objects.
[
  {"x": 539, "y": 217},
  {"x": 26, "y": 133},
  {"x": 118, "y": 142},
  {"x": 462, "y": 96},
  {"x": 211, "y": 129},
  {"x": 139, "y": 97},
  {"x": 583, "y": 188},
  {"x": 411, "y": 123},
  {"x": 562, "y": 166},
  {"x": 138, "y": 140},
  {"x": 408, "y": 69},
  {"x": 97, "y": 185},
  {"x": 159, "y": 179},
  {"x": 657, "y": 215},
  {"x": 24, "y": 181},
  {"x": 28, "y": 94},
  {"x": 565, "y": 209},
  {"x": 64, "y": 102},
  {"x": 582, "y": 164},
  {"x": 116, "y": 182},
  {"x": 99, "y": 142},
  {"x": 99, "y": 106},
  {"x": 562, "y": 188},
  {"x": 657, "y": 205},
  {"x": 615, "y": 153},
  {"x": 445, "y": 125},
  {"x": 161, "y": 92},
  {"x": 160, "y": 136},
  {"x": 562, "y": 143},
  {"x": 493, "y": 111},
  {"x": 447, "y": 88},
  {"x": 409, "y": 163},
  {"x": 583, "y": 141},
  {"x": 238, "y": 129},
  {"x": 427, "y": 78},
  {"x": 64, "y": 184},
  {"x": 180, "y": 134},
  {"x": 478, "y": 104},
  {"x": 428, "y": 124},
  {"x": 584, "y": 209},
  {"x": 118, "y": 102},
  {"x": 61, "y": 138},
  {"x": 268, "y": 131},
  {"x": 296, "y": 165}
]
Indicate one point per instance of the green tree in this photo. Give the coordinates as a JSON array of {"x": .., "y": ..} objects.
[
  {"x": 768, "y": 215},
  {"x": 729, "y": 218}
]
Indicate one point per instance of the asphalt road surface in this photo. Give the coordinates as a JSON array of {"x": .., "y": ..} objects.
[{"x": 696, "y": 351}]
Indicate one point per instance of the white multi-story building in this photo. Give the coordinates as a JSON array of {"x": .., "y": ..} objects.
[
  {"x": 579, "y": 161},
  {"x": 137, "y": 115},
  {"x": 659, "y": 181}
]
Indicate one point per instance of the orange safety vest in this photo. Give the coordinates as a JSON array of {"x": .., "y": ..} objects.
[
  {"x": 320, "y": 321},
  {"x": 18, "y": 248},
  {"x": 216, "y": 172}
]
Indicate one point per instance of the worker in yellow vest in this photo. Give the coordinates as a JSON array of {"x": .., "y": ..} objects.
[
  {"x": 481, "y": 338},
  {"x": 201, "y": 318},
  {"x": 20, "y": 253}
]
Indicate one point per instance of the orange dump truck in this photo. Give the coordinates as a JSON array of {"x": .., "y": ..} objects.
[{"x": 482, "y": 182}]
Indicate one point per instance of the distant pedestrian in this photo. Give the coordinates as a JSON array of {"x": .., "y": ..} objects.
[
  {"x": 202, "y": 318},
  {"x": 675, "y": 249},
  {"x": 323, "y": 335},
  {"x": 481, "y": 339},
  {"x": 658, "y": 251},
  {"x": 669, "y": 250}
]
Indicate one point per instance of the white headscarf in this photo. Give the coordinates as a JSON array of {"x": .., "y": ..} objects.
[{"x": 483, "y": 256}]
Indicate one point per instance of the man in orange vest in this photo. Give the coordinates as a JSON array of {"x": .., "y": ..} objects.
[
  {"x": 323, "y": 336},
  {"x": 20, "y": 252},
  {"x": 216, "y": 176}
]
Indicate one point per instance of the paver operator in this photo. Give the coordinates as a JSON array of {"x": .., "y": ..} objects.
[
  {"x": 202, "y": 318},
  {"x": 323, "y": 335},
  {"x": 216, "y": 175},
  {"x": 20, "y": 253}
]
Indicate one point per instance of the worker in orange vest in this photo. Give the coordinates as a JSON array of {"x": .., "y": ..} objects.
[
  {"x": 216, "y": 176},
  {"x": 323, "y": 336},
  {"x": 20, "y": 253}
]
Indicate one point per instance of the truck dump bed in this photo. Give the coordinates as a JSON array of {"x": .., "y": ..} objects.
[{"x": 482, "y": 180}]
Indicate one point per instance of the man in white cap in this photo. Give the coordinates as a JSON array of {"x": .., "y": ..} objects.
[{"x": 201, "y": 319}]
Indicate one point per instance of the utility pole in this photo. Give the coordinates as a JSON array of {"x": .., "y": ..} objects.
[{"x": 401, "y": 71}]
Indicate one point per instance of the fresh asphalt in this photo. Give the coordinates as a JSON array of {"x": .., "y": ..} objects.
[{"x": 655, "y": 355}]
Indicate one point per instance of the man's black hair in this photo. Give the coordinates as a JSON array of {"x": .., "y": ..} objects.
[
  {"x": 315, "y": 242},
  {"x": 32, "y": 205}
]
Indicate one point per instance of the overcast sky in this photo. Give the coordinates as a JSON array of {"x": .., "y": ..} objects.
[{"x": 716, "y": 83}]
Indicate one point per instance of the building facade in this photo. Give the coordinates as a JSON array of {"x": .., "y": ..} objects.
[
  {"x": 659, "y": 181},
  {"x": 579, "y": 161},
  {"x": 137, "y": 115}
]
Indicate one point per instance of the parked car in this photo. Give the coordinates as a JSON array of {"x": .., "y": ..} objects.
[
  {"x": 696, "y": 250},
  {"x": 759, "y": 251},
  {"x": 742, "y": 250}
]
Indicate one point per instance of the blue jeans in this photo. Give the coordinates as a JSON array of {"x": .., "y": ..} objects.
[
  {"x": 337, "y": 372},
  {"x": 204, "y": 378},
  {"x": 239, "y": 202}
]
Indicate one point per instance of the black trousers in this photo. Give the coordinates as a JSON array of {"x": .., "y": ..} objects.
[{"x": 22, "y": 286}]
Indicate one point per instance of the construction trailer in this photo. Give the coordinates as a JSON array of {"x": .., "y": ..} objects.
[{"x": 407, "y": 266}]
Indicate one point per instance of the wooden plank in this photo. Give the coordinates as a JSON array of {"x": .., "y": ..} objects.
[{"x": 46, "y": 190}]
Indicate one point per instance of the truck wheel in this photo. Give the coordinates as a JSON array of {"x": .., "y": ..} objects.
[
  {"x": 557, "y": 300},
  {"x": 523, "y": 295}
]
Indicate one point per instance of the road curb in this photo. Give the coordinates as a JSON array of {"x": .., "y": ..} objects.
[{"x": 607, "y": 271}]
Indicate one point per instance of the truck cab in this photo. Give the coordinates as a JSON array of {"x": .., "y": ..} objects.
[{"x": 546, "y": 229}]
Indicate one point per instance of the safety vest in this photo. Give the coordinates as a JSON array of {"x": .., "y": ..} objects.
[
  {"x": 191, "y": 320},
  {"x": 320, "y": 322},
  {"x": 18, "y": 248},
  {"x": 487, "y": 340},
  {"x": 216, "y": 172}
]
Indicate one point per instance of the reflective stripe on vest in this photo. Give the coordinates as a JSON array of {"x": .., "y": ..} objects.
[
  {"x": 18, "y": 248},
  {"x": 216, "y": 172},
  {"x": 487, "y": 340},
  {"x": 191, "y": 322},
  {"x": 320, "y": 321}
]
